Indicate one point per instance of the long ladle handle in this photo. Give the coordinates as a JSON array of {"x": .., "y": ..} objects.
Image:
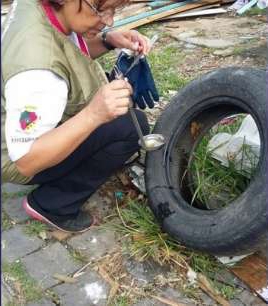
[
  {"x": 119, "y": 76},
  {"x": 137, "y": 126}
]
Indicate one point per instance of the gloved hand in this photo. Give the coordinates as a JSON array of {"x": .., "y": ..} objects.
[{"x": 140, "y": 78}]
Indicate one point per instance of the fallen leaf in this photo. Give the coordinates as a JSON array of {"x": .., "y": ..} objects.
[{"x": 60, "y": 235}]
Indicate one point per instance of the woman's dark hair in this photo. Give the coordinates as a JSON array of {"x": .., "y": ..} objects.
[{"x": 58, "y": 3}]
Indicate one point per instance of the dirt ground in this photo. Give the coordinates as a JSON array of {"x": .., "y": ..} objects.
[
  {"x": 221, "y": 41},
  {"x": 209, "y": 43}
]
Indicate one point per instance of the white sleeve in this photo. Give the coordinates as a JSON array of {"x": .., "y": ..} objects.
[{"x": 35, "y": 102}]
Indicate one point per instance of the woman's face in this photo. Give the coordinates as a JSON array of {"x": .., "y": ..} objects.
[{"x": 88, "y": 19}]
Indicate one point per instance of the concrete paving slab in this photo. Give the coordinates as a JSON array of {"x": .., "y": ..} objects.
[
  {"x": 89, "y": 290},
  {"x": 14, "y": 209},
  {"x": 6, "y": 296},
  {"x": 42, "y": 302},
  {"x": 171, "y": 295},
  {"x": 94, "y": 243},
  {"x": 42, "y": 265},
  {"x": 16, "y": 188},
  {"x": 148, "y": 302},
  {"x": 16, "y": 244}
]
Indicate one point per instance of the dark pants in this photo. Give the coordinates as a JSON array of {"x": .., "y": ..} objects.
[{"x": 64, "y": 188}]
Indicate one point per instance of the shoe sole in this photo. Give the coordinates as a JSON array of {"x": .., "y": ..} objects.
[{"x": 35, "y": 215}]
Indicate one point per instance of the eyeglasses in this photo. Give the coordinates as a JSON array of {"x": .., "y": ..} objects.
[{"x": 108, "y": 13}]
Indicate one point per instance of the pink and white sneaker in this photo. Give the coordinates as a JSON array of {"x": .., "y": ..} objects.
[{"x": 79, "y": 224}]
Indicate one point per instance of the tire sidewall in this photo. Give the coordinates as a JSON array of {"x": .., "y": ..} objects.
[{"x": 244, "y": 220}]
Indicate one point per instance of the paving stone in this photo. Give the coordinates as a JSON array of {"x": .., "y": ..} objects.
[
  {"x": 42, "y": 302},
  {"x": 90, "y": 289},
  {"x": 144, "y": 272},
  {"x": 208, "y": 301},
  {"x": 16, "y": 244},
  {"x": 175, "y": 295},
  {"x": 168, "y": 293},
  {"x": 16, "y": 188},
  {"x": 6, "y": 296},
  {"x": 249, "y": 299},
  {"x": 94, "y": 243},
  {"x": 42, "y": 265},
  {"x": 209, "y": 43},
  {"x": 148, "y": 302},
  {"x": 13, "y": 207},
  {"x": 228, "y": 278},
  {"x": 236, "y": 302}
]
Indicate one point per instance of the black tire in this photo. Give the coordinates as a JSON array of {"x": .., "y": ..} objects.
[{"x": 240, "y": 226}]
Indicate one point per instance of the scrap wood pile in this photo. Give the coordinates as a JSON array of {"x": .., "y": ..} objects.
[{"x": 141, "y": 12}]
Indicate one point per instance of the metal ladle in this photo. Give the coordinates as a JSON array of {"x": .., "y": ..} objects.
[{"x": 150, "y": 142}]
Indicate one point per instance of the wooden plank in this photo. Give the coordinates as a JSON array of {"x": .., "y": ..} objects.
[
  {"x": 198, "y": 9},
  {"x": 252, "y": 270},
  {"x": 196, "y": 14},
  {"x": 128, "y": 11},
  {"x": 159, "y": 3},
  {"x": 141, "y": 19}
]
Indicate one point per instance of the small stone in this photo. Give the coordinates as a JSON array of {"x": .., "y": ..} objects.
[
  {"x": 190, "y": 46},
  {"x": 94, "y": 243},
  {"x": 14, "y": 209},
  {"x": 42, "y": 265},
  {"x": 16, "y": 244},
  {"x": 90, "y": 289},
  {"x": 224, "y": 53}
]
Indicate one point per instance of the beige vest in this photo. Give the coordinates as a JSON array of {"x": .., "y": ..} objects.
[{"x": 30, "y": 42}]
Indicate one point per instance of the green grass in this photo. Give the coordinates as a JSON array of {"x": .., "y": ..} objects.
[
  {"x": 145, "y": 240},
  {"x": 212, "y": 180},
  {"x": 18, "y": 194},
  {"x": 6, "y": 221},
  {"x": 29, "y": 291},
  {"x": 164, "y": 63},
  {"x": 35, "y": 228},
  {"x": 239, "y": 50},
  {"x": 107, "y": 61},
  {"x": 150, "y": 29},
  {"x": 120, "y": 301}
]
